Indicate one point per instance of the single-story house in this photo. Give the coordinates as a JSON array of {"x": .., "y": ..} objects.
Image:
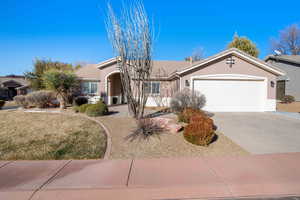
[
  {"x": 288, "y": 84},
  {"x": 232, "y": 81},
  {"x": 12, "y": 85}
]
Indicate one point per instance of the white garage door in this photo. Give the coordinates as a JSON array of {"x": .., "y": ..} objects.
[{"x": 232, "y": 95}]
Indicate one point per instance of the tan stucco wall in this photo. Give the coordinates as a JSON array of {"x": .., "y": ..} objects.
[
  {"x": 103, "y": 73},
  {"x": 240, "y": 67}
]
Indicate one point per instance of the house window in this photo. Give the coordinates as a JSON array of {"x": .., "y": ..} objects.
[
  {"x": 152, "y": 88},
  {"x": 89, "y": 87}
]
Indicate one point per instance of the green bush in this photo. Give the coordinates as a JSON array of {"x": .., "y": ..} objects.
[
  {"x": 200, "y": 132},
  {"x": 2, "y": 102},
  {"x": 98, "y": 109},
  {"x": 21, "y": 101},
  {"x": 288, "y": 99},
  {"x": 83, "y": 108},
  {"x": 76, "y": 109}
]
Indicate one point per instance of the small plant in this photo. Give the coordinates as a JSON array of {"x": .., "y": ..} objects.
[
  {"x": 78, "y": 101},
  {"x": 200, "y": 132},
  {"x": 187, "y": 113},
  {"x": 98, "y": 109},
  {"x": 2, "y": 102},
  {"x": 145, "y": 128},
  {"x": 288, "y": 99},
  {"x": 83, "y": 108},
  {"x": 40, "y": 99},
  {"x": 187, "y": 99},
  {"x": 21, "y": 101}
]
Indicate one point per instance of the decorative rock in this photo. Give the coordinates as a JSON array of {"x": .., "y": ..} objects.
[{"x": 168, "y": 124}]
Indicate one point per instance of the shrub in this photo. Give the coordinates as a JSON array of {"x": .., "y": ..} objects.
[
  {"x": 2, "y": 102},
  {"x": 76, "y": 109},
  {"x": 187, "y": 99},
  {"x": 83, "y": 108},
  {"x": 40, "y": 99},
  {"x": 288, "y": 99},
  {"x": 187, "y": 113},
  {"x": 200, "y": 132},
  {"x": 21, "y": 101},
  {"x": 98, "y": 109},
  {"x": 78, "y": 101},
  {"x": 145, "y": 128}
]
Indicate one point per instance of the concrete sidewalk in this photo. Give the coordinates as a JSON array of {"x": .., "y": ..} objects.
[{"x": 184, "y": 178}]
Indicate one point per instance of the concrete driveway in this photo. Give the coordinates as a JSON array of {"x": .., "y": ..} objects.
[{"x": 261, "y": 133}]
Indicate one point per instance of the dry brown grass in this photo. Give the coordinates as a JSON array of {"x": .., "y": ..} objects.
[
  {"x": 164, "y": 145},
  {"x": 291, "y": 107},
  {"x": 44, "y": 136}
]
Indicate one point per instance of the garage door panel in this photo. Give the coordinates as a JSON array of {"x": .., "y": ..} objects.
[{"x": 232, "y": 95}]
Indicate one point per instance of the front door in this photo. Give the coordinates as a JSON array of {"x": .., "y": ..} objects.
[{"x": 280, "y": 90}]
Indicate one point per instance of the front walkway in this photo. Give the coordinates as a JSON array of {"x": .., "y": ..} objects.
[{"x": 185, "y": 178}]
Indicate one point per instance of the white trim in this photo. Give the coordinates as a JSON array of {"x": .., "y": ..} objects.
[
  {"x": 108, "y": 100},
  {"x": 229, "y": 77},
  {"x": 89, "y": 79},
  {"x": 106, "y": 62},
  {"x": 265, "y": 104},
  {"x": 235, "y": 52}
]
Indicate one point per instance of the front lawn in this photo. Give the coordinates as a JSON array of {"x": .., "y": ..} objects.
[{"x": 45, "y": 136}]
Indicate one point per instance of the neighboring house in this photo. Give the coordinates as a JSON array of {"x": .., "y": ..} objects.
[
  {"x": 290, "y": 83},
  {"x": 13, "y": 85},
  {"x": 232, "y": 81}
]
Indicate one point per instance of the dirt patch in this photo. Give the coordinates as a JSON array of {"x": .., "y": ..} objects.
[
  {"x": 47, "y": 136},
  {"x": 165, "y": 145},
  {"x": 291, "y": 107}
]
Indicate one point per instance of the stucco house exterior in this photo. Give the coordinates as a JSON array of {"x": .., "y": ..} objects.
[
  {"x": 290, "y": 83},
  {"x": 232, "y": 81}
]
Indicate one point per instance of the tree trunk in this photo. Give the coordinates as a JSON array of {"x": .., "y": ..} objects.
[{"x": 62, "y": 102}]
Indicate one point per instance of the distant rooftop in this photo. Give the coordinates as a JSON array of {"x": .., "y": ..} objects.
[{"x": 286, "y": 58}]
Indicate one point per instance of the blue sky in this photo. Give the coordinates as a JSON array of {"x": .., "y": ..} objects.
[{"x": 73, "y": 30}]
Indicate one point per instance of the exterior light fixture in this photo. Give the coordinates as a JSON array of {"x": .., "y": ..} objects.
[
  {"x": 272, "y": 84},
  {"x": 187, "y": 83}
]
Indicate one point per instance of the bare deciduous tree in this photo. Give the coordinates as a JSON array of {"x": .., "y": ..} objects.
[
  {"x": 288, "y": 42},
  {"x": 131, "y": 37}
]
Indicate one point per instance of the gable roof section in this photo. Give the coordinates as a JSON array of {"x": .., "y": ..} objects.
[
  {"x": 238, "y": 53},
  {"x": 293, "y": 59}
]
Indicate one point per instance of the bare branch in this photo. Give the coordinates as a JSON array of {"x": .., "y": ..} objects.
[
  {"x": 131, "y": 37},
  {"x": 288, "y": 42}
]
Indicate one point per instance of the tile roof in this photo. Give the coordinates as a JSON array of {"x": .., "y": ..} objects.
[{"x": 89, "y": 72}]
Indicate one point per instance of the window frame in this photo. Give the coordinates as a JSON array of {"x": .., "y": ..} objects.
[
  {"x": 149, "y": 90},
  {"x": 89, "y": 87}
]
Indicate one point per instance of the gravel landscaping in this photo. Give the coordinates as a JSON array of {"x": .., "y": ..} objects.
[{"x": 165, "y": 145}]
